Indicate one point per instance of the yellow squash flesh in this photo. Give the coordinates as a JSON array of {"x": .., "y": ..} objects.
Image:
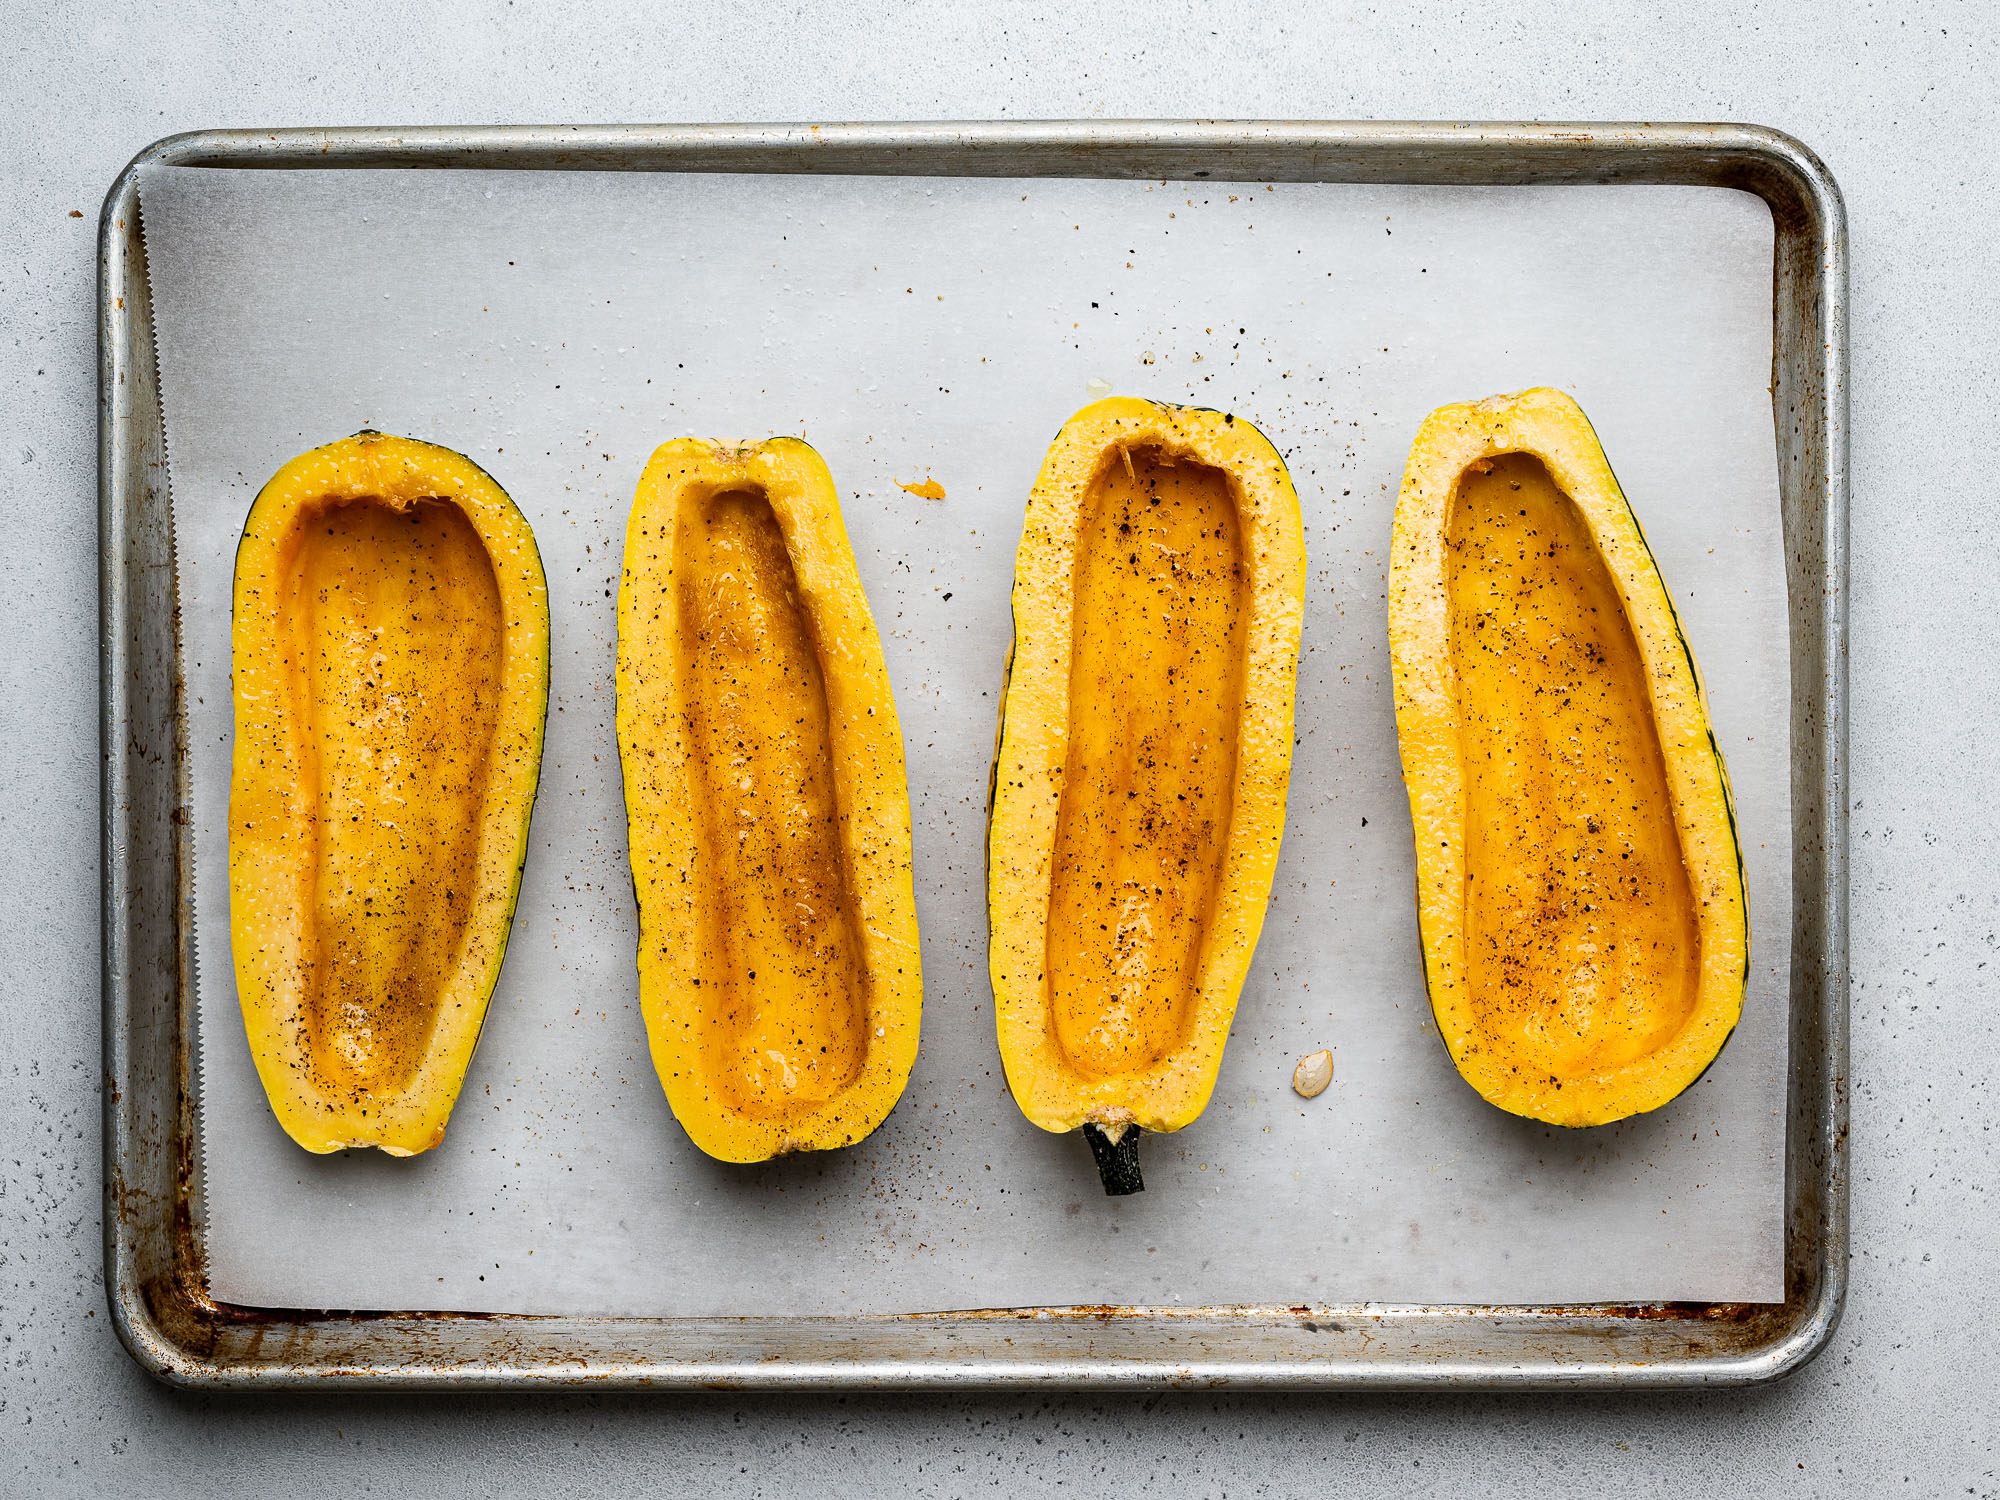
[
  {"x": 768, "y": 810},
  {"x": 1579, "y": 885},
  {"x": 1144, "y": 751},
  {"x": 390, "y": 652}
]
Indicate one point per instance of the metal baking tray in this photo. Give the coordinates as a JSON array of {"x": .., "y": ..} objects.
[{"x": 153, "y": 1255}]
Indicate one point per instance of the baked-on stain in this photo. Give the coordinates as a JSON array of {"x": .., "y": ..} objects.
[
  {"x": 1155, "y": 688},
  {"x": 782, "y": 958},
  {"x": 1583, "y": 952},
  {"x": 399, "y": 645}
]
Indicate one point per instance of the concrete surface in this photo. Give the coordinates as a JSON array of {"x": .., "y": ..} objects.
[{"x": 1897, "y": 98}]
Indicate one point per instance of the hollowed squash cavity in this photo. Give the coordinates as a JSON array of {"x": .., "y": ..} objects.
[
  {"x": 398, "y": 627},
  {"x": 788, "y": 1022},
  {"x": 1155, "y": 690}
]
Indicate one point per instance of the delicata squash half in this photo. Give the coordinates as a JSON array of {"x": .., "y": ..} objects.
[
  {"x": 390, "y": 651},
  {"x": 768, "y": 810},
  {"x": 1579, "y": 885},
  {"x": 1139, "y": 782}
]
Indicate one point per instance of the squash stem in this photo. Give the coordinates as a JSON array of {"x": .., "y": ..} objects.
[{"x": 1117, "y": 1153}]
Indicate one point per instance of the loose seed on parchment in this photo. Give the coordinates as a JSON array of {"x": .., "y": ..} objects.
[{"x": 1313, "y": 1074}]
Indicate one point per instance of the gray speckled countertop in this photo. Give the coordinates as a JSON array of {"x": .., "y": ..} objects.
[{"x": 1896, "y": 99}]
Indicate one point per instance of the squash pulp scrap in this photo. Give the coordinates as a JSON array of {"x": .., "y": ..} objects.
[
  {"x": 767, "y": 805},
  {"x": 1139, "y": 781},
  {"x": 1579, "y": 883},
  {"x": 390, "y": 652}
]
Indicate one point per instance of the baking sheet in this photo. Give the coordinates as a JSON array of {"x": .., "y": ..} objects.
[{"x": 558, "y": 326}]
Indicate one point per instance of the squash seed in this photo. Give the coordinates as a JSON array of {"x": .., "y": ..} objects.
[{"x": 1313, "y": 1074}]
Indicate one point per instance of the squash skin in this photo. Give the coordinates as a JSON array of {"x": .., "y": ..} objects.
[
  {"x": 698, "y": 997},
  {"x": 342, "y": 1062},
  {"x": 1168, "y": 1089},
  {"x": 1610, "y": 1080}
]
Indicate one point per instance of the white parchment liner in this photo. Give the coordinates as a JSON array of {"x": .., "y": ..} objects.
[{"x": 557, "y": 327}]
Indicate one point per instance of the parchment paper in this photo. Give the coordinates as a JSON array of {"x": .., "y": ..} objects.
[{"x": 557, "y": 327}]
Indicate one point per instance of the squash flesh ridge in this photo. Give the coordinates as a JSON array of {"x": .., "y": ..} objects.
[
  {"x": 1582, "y": 950},
  {"x": 400, "y": 647},
  {"x": 780, "y": 953},
  {"x": 1155, "y": 690}
]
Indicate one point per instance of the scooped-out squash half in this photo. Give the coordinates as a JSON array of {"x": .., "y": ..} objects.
[
  {"x": 1139, "y": 783},
  {"x": 1579, "y": 884},
  {"x": 390, "y": 651},
  {"x": 768, "y": 810}
]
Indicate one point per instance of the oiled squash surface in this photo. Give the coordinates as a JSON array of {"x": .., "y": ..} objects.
[
  {"x": 1156, "y": 683},
  {"x": 788, "y": 1022},
  {"x": 399, "y": 632},
  {"x": 1579, "y": 885},
  {"x": 390, "y": 660},
  {"x": 1144, "y": 751},
  {"x": 1586, "y": 953},
  {"x": 766, "y": 804}
]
